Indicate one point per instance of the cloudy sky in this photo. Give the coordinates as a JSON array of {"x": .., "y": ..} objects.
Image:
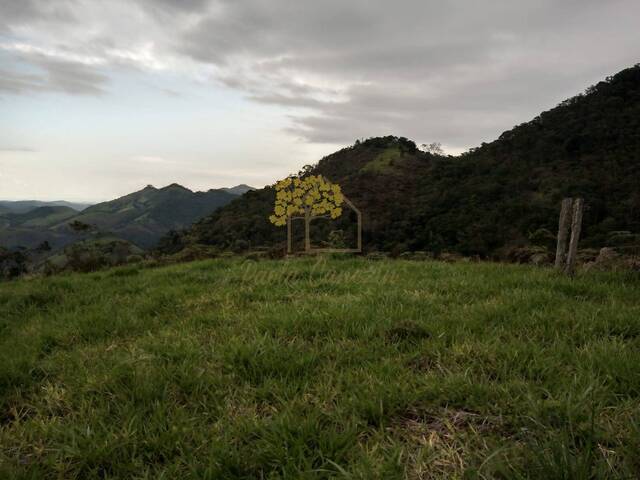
[{"x": 100, "y": 98}]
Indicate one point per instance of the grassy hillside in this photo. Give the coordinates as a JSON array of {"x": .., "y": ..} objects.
[
  {"x": 491, "y": 199},
  {"x": 341, "y": 369}
]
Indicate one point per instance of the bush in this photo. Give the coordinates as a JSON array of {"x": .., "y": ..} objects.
[
  {"x": 12, "y": 264},
  {"x": 134, "y": 258},
  {"x": 543, "y": 237},
  {"x": 240, "y": 246},
  {"x": 450, "y": 257},
  {"x": 336, "y": 239},
  {"x": 420, "y": 256},
  {"x": 525, "y": 254}
]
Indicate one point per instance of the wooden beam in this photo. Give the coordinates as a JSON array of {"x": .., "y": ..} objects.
[
  {"x": 563, "y": 232},
  {"x": 576, "y": 228}
]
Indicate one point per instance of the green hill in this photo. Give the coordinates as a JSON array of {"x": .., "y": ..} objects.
[
  {"x": 33, "y": 227},
  {"x": 340, "y": 369},
  {"x": 142, "y": 217},
  {"x": 24, "y": 206},
  {"x": 38, "y": 217},
  {"x": 498, "y": 196}
]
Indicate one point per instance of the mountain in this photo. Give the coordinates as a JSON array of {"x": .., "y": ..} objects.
[
  {"x": 499, "y": 196},
  {"x": 31, "y": 228},
  {"x": 238, "y": 189},
  {"x": 141, "y": 218},
  {"x": 38, "y": 217},
  {"x": 24, "y": 206}
]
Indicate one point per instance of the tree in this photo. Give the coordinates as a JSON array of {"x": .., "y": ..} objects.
[
  {"x": 12, "y": 263},
  {"x": 80, "y": 227},
  {"x": 435, "y": 148},
  {"x": 311, "y": 196},
  {"x": 43, "y": 247}
]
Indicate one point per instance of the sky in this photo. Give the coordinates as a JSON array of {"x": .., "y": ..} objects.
[{"x": 100, "y": 98}]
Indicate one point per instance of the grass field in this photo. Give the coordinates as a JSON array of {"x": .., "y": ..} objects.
[{"x": 299, "y": 369}]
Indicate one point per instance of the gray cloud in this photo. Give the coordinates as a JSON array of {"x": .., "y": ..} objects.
[
  {"x": 53, "y": 75},
  {"x": 27, "y": 68},
  {"x": 18, "y": 12},
  {"x": 72, "y": 78},
  {"x": 13, "y": 82},
  {"x": 454, "y": 71},
  {"x": 166, "y": 10}
]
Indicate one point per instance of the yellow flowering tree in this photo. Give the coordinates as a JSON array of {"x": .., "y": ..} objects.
[{"x": 308, "y": 197}]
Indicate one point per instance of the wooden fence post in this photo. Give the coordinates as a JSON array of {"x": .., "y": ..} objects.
[
  {"x": 576, "y": 228},
  {"x": 289, "y": 240},
  {"x": 563, "y": 232},
  {"x": 359, "y": 241}
]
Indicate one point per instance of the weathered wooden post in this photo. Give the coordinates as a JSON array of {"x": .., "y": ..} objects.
[
  {"x": 576, "y": 228},
  {"x": 289, "y": 240},
  {"x": 563, "y": 232},
  {"x": 359, "y": 244},
  {"x": 307, "y": 229},
  {"x": 359, "y": 220}
]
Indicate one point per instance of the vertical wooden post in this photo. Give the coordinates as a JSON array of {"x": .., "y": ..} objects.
[
  {"x": 359, "y": 219},
  {"x": 307, "y": 228},
  {"x": 359, "y": 215},
  {"x": 289, "y": 240},
  {"x": 563, "y": 232},
  {"x": 576, "y": 228}
]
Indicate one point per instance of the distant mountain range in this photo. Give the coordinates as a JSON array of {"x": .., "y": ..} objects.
[
  {"x": 24, "y": 206},
  {"x": 39, "y": 217},
  {"x": 141, "y": 217},
  {"x": 238, "y": 189},
  {"x": 494, "y": 199}
]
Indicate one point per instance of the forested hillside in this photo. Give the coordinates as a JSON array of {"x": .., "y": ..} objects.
[
  {"x": 500, "y": 195},
  {"x": 140, "y": 217},
  {"x": 143, "y": 216}
]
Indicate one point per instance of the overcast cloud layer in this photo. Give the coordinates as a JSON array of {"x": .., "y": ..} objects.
[{"x": 458, "y": 72}]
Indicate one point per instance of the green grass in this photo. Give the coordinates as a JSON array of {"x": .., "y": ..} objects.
[
  {"x": 341, "y": 369},
  {"x": 384, "y": 161}
]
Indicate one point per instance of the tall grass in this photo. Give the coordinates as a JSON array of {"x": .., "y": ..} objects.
[{"x": 320, "y": 369}]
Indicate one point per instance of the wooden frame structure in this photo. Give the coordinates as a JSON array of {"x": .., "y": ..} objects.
[{"x": 309, "y": 249}]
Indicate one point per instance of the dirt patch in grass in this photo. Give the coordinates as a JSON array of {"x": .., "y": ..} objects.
[{"x": 446, "y": 442}]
